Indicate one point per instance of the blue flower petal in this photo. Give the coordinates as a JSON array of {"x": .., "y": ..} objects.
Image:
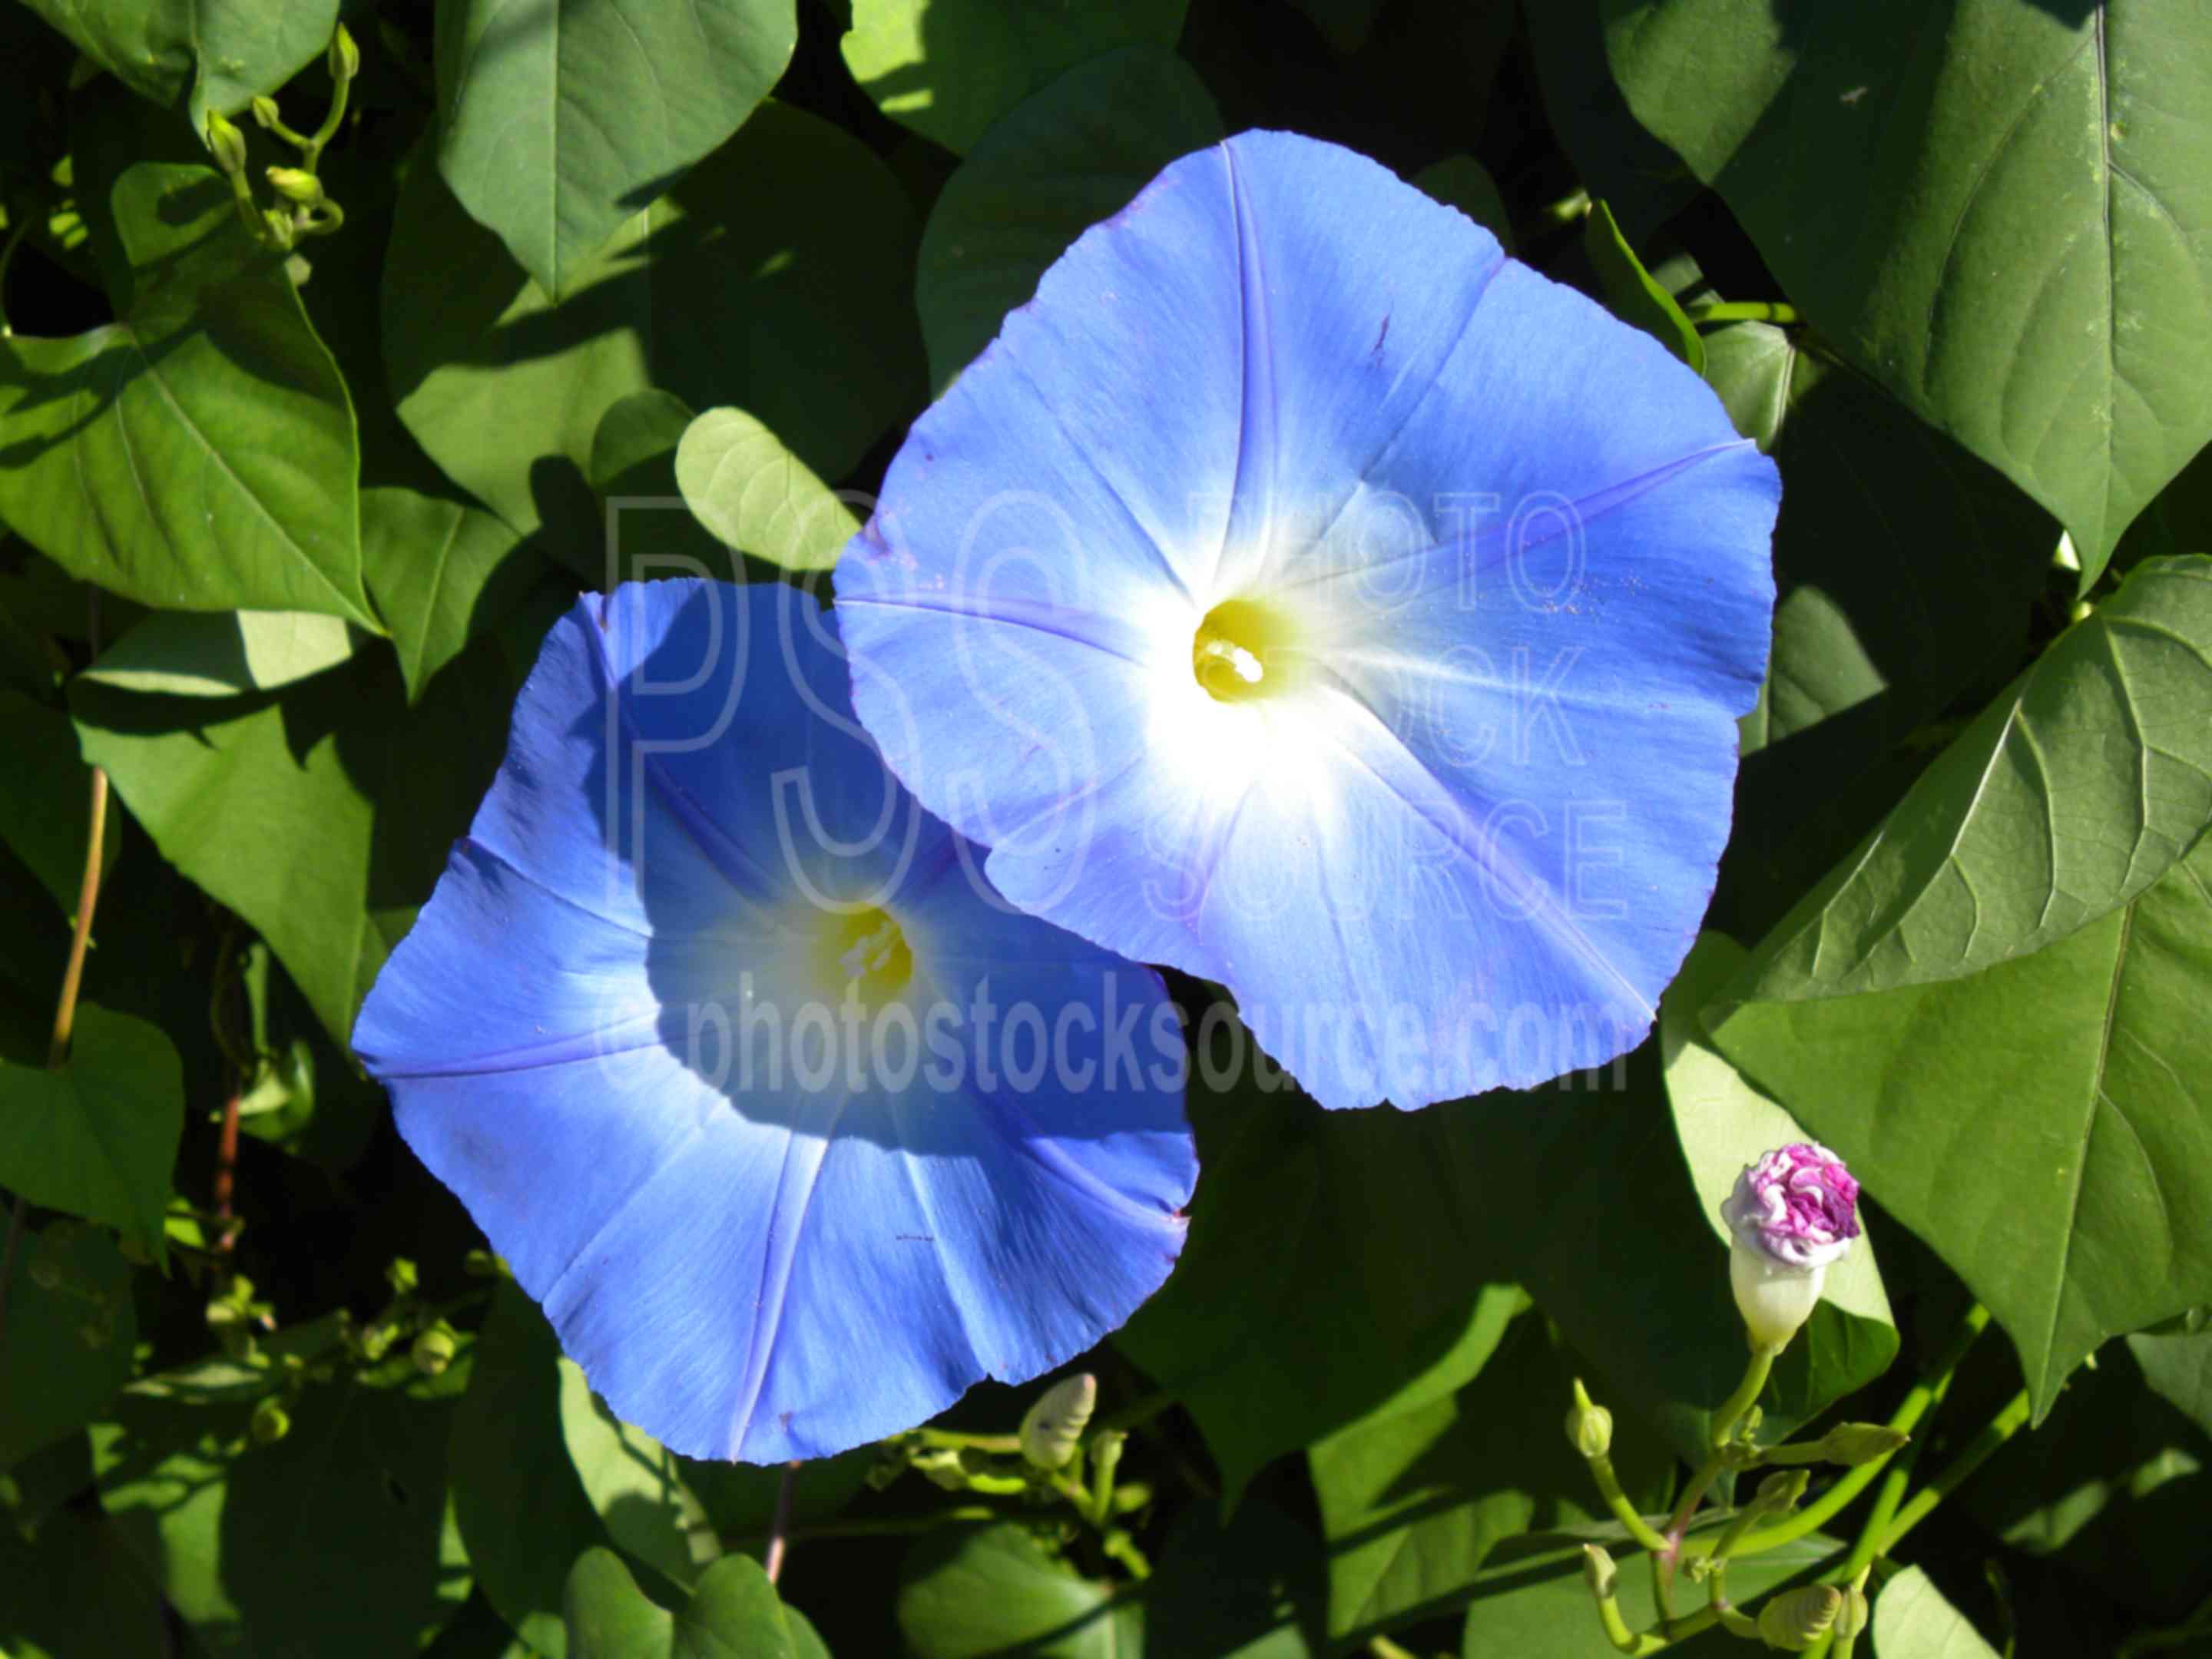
[
  {"x": 750, "y": 1256},
  {"x": 1487, "y": 572}
]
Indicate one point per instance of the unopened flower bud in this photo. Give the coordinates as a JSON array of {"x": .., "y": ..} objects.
[
  {"x": 1055, "y": 1422},
  {"x": 1589, "y": 1427},
  {"x": 434, "y": 1349},
  {"x": 228, "y": 144},
  {"x": 265, "y": 113},
  {"x": 345, "y": 57},
  {"x": 294, "y": 184},
  {"x": 1791, "y": 1215},
  {"x": 399, "y": 1272},
  {"x": 1797, "y": 1619},
  {"x": 270, "y": 1422},
  {"x": 1600, "y": 1573},
  {"x": 1851, "y": 1616},
  {"x": 1778, "y": 1493},
  {"x": 1853, "y": 1444}
]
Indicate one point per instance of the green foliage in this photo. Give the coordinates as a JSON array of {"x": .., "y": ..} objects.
[
  {"x": 950, "y": 68},
  {"x": 96, "y": 1136},
  {"x": 1912, "y": 1621},
  {"x": 2011, "y": 214},
  {"x": 561, "y": 122},
  {"x": 1061, "y": 161},
  {"x": 2073, "y": 1082},
  {"x": 199, "y": 452},
  {"x": 589, "y": 293}
]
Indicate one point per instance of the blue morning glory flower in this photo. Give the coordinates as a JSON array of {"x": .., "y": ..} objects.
[
  {"x": 793, "y": 1128},
  {"x": 1301, "y": 593}
]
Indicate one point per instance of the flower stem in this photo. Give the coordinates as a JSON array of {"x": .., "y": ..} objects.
[
  {"x": 1909, "y": 1411},
  {"x": 1742, "y": 310},
  {"x": 778, "y": 1526},
  {"x": 1732, "y": 1409},
  {"x": 1608, "y": 1485},
  {"x": 1011, "y": 1445}
]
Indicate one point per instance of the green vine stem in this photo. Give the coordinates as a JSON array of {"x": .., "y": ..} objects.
[
  {"x": 1742, "y": 310},
  {"x": 1914, "y": 1407},
  {"x": 1977, "y": 1452},
  {"x": 87, "y": 899}
]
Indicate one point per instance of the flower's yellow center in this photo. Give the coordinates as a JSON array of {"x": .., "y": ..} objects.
[
  {"x": 863, "y": 955},
  {"x": 1245, "y": 650}
]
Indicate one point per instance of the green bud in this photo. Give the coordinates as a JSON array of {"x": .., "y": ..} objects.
[
  {"x": 1853, "y": 1444},
  {"x": 295, "y": 186},
  {"x": 228, "y": 145},
  {"x": 271, "y": 1423},
  {"x": 345, "y": 57},
  {"x": 1778, "y": 1493},
  {"x": 1600, "y": 1573},
  {"x": 1589, "y": 1427},
  {"x": 375, "y": 1342},
  {"x": 1052, "y": 1426},
  {"x": 483, "y": 1264},
  {"x": 435, "y": 1349},
  {"x": 1797, "y": 1619},
  {"x": 264, "y": 112},
  {"x": 1851, "y": 1616},
  {"x": 400, "y": 1274}
]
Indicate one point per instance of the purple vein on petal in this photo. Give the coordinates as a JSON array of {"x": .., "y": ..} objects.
[
  {"x": 1256, "y": 445},
  {"x": 1003, "y": 346},
  {"x": 1488, "y": 851},
  {"x": 1009, "y": 612},
  {"x": 805, "y": 1151},
  {"x": 1595, "y": 505}
]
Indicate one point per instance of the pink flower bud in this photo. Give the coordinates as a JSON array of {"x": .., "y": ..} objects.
[{"x": 1797, "y": 1205}]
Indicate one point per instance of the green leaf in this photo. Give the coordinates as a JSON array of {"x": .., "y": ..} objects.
[
  {"x": 773, "y": 275},
  {"x": 2066, "y": 798},
  {"x": 733, "y": 1615},
  {"x": 45, "y": 810},
  {"x": 2178, "y": 1369},
  {"x": 2107, "y": 1492},
  {"x": 98, "y": 1136},
  {"x": 323, "y": 816},
  {"x": 1631, "y": 292},
  {"x": 1539, "y": 1604},
  {"x": 226, "y": 51},
  {"x": 1912, "y": 1621},
  {"x": 441, "y": 573},
  {"x": 994, "y": 1591},
  {"x": 1242, "y": 1591},
  {"x": 636, "y": 1484},
  {"x": 73, "y": 1590},
  {"x": 652, "y": 532},
  {"x": 523, "y": 1513},
  {"x": 1613, "y": 156},
  {"x": 1723, "y": 1124},
  {"x": 199, "y": 452},
  {"x": 1998, "y": 210},
  {"x": 758, "y": 497},
  {"x": 371, "y": 1565},
  {"x": 1461, "y": 181},
  {"x": 2043, "y": 1125},
  {"x": 558, "y": 122},
  {"x": 1873, "y": 638},
  {"x": 221, "y": 654},
  {"x": 71, "y": 1328},
  {"x": 1414, "y": 1503},
  {"x": 1073, "y": 154},
  {"x": 949, "y": 69},
  {"x": 1329, "y": 1278}
]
